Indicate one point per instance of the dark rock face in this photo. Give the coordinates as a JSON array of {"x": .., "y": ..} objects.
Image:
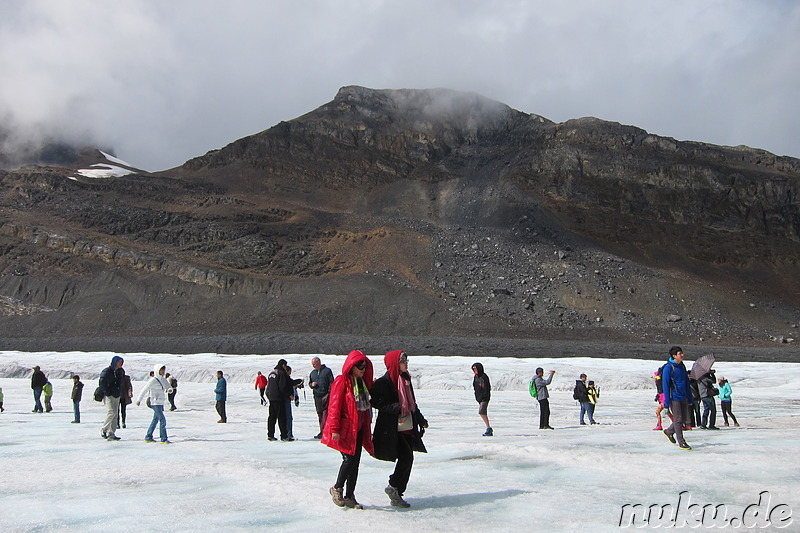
[{"x": 417, "y": 213}]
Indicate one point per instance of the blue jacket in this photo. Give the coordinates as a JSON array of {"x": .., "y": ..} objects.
[
  {"x": 676, "y": 383},
  {"x": 725, "y": 392},
  {"x": 222, "y": 390}
]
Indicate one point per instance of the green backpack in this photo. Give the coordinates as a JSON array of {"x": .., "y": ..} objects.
[{"x": 532, "y": 389}]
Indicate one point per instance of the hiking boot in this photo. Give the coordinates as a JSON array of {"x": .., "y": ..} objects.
[
  {"x": 318, "y": 436},
  {"x": 548, "y": 427},
  {"x": 685, "y": 446},
  {"x": 288, "y": 439},
  {"x": 336, "y": 496},
  {"x": 488, "y": 433},
  {"x": 395, "y": 497},
  {"x": 670, "y": 437},
  {"x": 271, "y": 439},
  {"x": 113, "y": 437},
  {"x": 166, "y": 442},
  {"x": 149, "y": 440},
  {"x": 583, "y": 423},
  {"x": 352, "y": 503},
  {"x": 713, "y": 427}
]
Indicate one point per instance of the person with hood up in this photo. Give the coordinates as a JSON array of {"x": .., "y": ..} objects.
[
  {"x": 483, "y": 393},
  {"x": 110, "y": 385},
  {"x": 38, "y": 380},
  {"x": 157, "y": 389},
  {"x": 279, "y": 391},
  {"x": 348, "y": 425},
  {"x": 677, "y": 396},
  {"x": 400, "y": 424}
]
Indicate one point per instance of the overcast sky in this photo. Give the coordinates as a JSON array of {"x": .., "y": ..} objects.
[{"x": 162, "y": 82}]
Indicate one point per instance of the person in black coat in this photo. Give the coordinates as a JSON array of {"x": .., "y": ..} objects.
[
  {"x": 400, "y": 424},
  {"x": 483, "y": 394},
  {"x": 279, "y": 390},
  {"x": 38, "y": 380}
]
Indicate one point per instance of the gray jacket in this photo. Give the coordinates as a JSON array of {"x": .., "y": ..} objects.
[{"x": 541, "y": 386}]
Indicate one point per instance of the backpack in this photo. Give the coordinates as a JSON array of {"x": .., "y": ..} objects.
[
  {"x": 575, "y": 393},
  {"x": 532, "y": 389}
]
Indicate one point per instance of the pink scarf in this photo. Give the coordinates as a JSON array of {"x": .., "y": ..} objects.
[{"x": 407, "y": 403}]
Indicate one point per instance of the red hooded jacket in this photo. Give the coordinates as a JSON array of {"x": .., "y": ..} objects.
[{"x": 342, "y": 411}]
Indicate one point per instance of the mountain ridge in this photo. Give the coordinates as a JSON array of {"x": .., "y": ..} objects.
[{"x": 417, "y": 212}]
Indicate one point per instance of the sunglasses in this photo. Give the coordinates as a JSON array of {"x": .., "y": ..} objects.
[
  {"x": 361, "y": 365},
  {"x": 403, "y": 358}
]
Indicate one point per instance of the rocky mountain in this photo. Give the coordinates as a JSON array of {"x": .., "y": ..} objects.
[{"x": 419, "y": 213}]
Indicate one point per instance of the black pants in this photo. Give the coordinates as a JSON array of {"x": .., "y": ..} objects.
[
  {"x": 261, "y": 393},
  {"x": 348, "y": 472},
  {"x": 405, "y": 460},
  {"x": 221, "y": 410},
  {"x": 277, "y": 412},
  {"x": 544, "y": 413},
  {"x": 321, "y": 405},
  {"x": 726, "y": 410},
  {"x": 171, "y": 398}
]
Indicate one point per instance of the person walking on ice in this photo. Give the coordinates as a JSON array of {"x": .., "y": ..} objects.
[
  {"x": 400, "y": 424},
  {"x": 348, "y": 427},
  {"x": 156, "y": 390},
  {"x": 483, "y": 394},
  {"x": 677, "y": 395}
]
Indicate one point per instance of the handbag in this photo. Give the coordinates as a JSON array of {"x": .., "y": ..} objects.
[
  {"x": 404, "y": 423},
  {"x": 98, "y": 395}
]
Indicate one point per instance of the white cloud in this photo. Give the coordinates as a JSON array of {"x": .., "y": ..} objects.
[{"x": 163, "y": 82}]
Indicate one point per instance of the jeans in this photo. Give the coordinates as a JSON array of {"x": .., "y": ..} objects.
[
  {"x": 76, "y": 407},
  {"x": 709, "y": 408},
  {"x": 590, "y": 412},
  {"x": 161, "y": 420},
  {"x": 587, "y": 408},
  {"x": 37, "y": 398}
]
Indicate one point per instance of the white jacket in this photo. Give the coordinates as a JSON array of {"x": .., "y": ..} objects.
[{"x": 156, "y": 389}]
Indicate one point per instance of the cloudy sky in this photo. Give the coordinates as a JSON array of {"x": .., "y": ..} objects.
[{"x": 162, "y": 82}]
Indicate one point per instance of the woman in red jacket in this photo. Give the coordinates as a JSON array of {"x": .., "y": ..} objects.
[{"x": 348, "y": 427}]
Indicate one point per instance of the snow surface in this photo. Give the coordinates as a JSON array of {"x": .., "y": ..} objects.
[
  {"x": 226, "y": 477},
  {"x": 102, "y": 170},
  {"x": 105, "y": 170},
  {"x": 114, "y": 159}
]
